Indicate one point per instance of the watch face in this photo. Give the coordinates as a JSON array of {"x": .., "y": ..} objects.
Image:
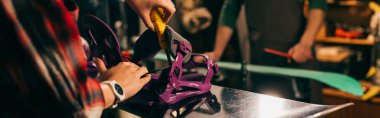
[{"x": 118, "y": 89}]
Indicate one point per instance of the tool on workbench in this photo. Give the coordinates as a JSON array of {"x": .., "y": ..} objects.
[
  {"x": 373, "y": 71},
  {"x": 374, "y": 24},
  {"x": 372, "y": 92}
]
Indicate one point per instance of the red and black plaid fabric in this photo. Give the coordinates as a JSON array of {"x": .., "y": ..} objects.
[{"x": 43, "y": 68}]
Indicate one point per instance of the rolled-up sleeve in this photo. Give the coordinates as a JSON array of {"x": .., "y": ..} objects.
[
  {"x": 318, "y": 4},
  {"x": 44, "y": 69},
  {"x": 230, "y": 12}
]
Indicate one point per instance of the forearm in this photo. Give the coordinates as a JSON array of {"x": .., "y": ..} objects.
[
  {"x": 227, "y": 22},
  {"x": 108, "y": 95},
  {"x": 223, "y": 36},
  {"x": 315, "y": 21}
]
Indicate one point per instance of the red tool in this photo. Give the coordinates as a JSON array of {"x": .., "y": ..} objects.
[
  {"x": 340, "y": 32},
  {"x": 278, "y": 53}
]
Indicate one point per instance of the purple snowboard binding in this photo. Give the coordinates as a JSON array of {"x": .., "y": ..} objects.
[
  {"x": 103, "y": 44},
  {"x": 166, "y": 88}
]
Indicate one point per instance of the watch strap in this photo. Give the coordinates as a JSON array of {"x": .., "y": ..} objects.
[{"x": 118, "y": 97}]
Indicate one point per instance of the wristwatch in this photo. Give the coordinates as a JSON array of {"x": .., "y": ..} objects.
[{"x": 117, "y": 91}]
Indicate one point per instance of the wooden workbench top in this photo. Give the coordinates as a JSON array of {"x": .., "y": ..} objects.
[{"x": 341, "y": 94}]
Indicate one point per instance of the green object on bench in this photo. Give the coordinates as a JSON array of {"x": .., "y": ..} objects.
[{"x": 339, "y": 81}]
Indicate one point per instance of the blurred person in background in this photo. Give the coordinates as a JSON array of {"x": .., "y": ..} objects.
[{"x": 285, "y": 25}]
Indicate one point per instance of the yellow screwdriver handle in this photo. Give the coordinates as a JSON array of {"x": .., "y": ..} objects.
[
  {"x": 372, "y": 92},
  {"x": 157, "y": 15}
]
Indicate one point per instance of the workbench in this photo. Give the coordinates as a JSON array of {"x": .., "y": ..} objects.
[{"x": 239, "y": 104}]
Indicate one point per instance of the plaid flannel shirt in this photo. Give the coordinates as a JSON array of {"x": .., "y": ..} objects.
[{"x": 43, "y": 67}]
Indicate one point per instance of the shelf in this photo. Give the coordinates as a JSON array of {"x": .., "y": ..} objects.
[{"x": 338, "y": 40}]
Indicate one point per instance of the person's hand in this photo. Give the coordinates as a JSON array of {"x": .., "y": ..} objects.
[
  {"x": 127, "y": 74},
  {"x": 211, "y": 55},
  {"x": 301, "y": 53},
  {"x": 144, "y": 7}
]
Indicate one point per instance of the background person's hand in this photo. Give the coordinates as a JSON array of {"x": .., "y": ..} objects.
[
  {"x": 127, "y": 74},
  {"x": 144, "y": 7},
  {"x": 211, "y": 55},
  {"x": 301, "y": 53}
]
